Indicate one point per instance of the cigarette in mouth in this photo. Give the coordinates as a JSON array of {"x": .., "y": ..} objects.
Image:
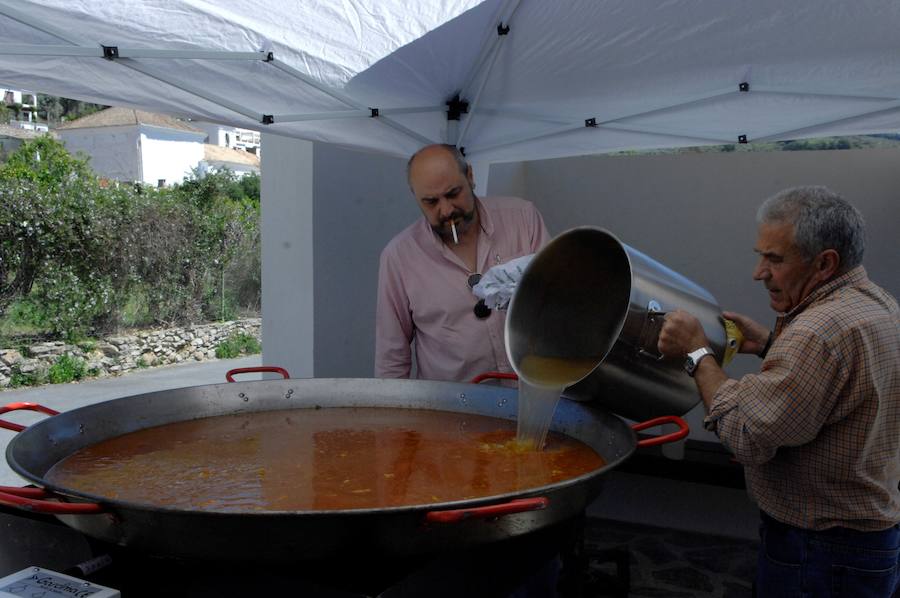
[{"x": 453, "y": 228}]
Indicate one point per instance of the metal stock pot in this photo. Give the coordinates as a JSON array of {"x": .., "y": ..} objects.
[
  {"x": 278, "y": 535},
  {"x": 588, "y": 296}
]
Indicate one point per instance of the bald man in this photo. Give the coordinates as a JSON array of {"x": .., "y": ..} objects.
[{"x": 426, "y": 273}]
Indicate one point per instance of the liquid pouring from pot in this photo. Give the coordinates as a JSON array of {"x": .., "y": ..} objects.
[{"x": 541, "y": 383}]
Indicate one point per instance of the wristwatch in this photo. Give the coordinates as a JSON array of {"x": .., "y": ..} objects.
[{"x": 693, "y": 359}]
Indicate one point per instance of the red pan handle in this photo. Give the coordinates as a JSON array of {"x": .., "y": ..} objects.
[
  {"x": 263, "y": 368},
  {"x": 518, "y": 505},
  {"x": 19, "y": 407},
  {"x": 493, "y": 375},
  {"x": 32, "y": 499},
  {"x": 683, "y": 430}
]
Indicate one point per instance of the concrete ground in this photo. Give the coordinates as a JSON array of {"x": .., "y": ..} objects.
[{"x": 63, "y": 397}]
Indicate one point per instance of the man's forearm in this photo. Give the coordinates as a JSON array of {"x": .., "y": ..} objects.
[{"x": 709, "y": 377}]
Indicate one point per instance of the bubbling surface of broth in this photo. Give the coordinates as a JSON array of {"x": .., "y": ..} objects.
[{"x": 320, "y": 459}]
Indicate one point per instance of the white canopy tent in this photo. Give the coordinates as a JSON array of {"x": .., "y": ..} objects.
[{"x": 505, "y": 79}]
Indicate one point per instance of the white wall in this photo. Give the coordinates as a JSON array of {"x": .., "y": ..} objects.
[
  {"x": 361, "y": 201},
  {"x": 113, "y": 151},
  {"x": 287, "y": 256},
  {"x": 169, "y": 154},
  {"x": 326, "y": 214}
]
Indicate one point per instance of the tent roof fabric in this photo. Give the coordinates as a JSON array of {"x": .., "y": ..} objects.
[
  {"x": 116, "y": 117},
  {"x": 534, "y": 78}
]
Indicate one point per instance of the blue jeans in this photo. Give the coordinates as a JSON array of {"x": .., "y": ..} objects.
[{"x": 799, "y": 563}]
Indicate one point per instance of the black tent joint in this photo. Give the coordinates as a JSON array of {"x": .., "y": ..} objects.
[
  {"x": 590, "y": 122},
  {"x": 374, "y": 112},
  {"x": 742, "y": 139},
  {"x": 270, "y": 56},
  {"x": 110, "y": 52},
  {"x": 744, "y": 86},
  {"x": 456, "y": 107},
  {"x": 267, "y": 119},
  {"x": 502, "y": 29}
]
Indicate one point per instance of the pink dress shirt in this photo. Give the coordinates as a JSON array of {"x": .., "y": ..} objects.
[{"x": 425, "y": 303}]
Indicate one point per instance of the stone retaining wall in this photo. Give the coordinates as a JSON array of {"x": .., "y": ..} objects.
[{"x": 118, "y": 354}]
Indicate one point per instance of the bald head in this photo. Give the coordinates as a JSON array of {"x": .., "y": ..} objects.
[
  {"x": 441, "y": 181},
  {"x": 437, "y": 152}
]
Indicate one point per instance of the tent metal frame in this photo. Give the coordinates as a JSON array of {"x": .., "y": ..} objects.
[{"x": 473, "y": 86}]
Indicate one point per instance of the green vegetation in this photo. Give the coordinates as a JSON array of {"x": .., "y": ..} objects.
[
  {"x": 18, "y": 379},
  {"x": 236, "y": 345},
  {"x": 53, "y": 109},
  {"x": 66, "y": 369},
  {"x": 80, "y": 257}
]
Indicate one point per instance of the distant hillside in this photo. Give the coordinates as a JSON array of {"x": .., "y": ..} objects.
[
  {"x": 50, "y": 109},
  {"x": 55, "y": 110},
  {"x": 823, "y": 143}
]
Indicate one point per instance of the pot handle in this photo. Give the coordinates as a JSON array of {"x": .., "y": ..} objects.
[
  {"x": 229, "y": 375},
  {"x": 19, "y": 407},
  {"x": 33, "y": 499},
  {"x": 518, "y": 505},
  {"x": 683, "y": 430},
  {"x": 493, "y": 375}
]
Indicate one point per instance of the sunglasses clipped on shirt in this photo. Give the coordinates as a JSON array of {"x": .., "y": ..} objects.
[{"x": 481, "y": 310}]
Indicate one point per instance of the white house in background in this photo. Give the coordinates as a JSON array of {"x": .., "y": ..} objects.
[
  {"x": 134, "y": 145},
  {"x": 235, "y": 160},
  {"x": 11, "y": 137},
  {"x": 233, "y": 137},
  {"x": 27, "y": 100}
]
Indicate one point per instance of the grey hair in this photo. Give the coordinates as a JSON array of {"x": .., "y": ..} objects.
[
  {"x": 461, "y": 163},
  {"x": 822, "y": 220}
]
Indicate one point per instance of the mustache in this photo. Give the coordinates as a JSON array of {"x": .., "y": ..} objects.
[{"x": 455, "y": 216}]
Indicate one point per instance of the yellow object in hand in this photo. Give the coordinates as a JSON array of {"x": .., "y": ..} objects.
[{"x": 733, "y": 340}]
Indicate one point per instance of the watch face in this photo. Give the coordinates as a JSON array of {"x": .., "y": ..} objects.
[{"x": 690, "y": 363}]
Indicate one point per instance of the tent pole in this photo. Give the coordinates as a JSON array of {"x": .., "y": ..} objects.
[
  {"x": 201, "y": 93},
  {"x": 819, "y": 94},
  {"x": 597, "y": 126},
  {"x": 49, "y": 50},
  {"x": 362, "y": 113},
  {"x": 468, "y": 119},
  {"x": 99, "y": 52},
  {"x": 502, "y": 32},
  {"x": 282, "y": 66},
  {"x": 890, "y": 107},
  {"x": 488, "y": 46}
]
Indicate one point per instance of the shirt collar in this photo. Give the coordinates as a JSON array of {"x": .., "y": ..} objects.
[
  {"x": 853, "y": 276},
  {"x": 484, "y": 218}
]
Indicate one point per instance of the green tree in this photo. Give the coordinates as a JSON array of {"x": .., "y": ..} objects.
[
  {"x": 46, "y": 162},
  {"x": 51, "y": 107},
  {"x": 78, "y": 251}
]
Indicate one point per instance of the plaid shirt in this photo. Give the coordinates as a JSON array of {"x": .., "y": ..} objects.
[{"x": 818, "y": 429}]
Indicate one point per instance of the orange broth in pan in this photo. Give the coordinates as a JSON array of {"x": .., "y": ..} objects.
[{"x": 320, "y": 459}]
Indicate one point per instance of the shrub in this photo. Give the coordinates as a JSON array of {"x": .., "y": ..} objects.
[
  {"x": 17, "y": 378},
  {"x": 236, "y": 345},
  {"x": 66, "y": 369},
  {"x": 88, "y": 254}
]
